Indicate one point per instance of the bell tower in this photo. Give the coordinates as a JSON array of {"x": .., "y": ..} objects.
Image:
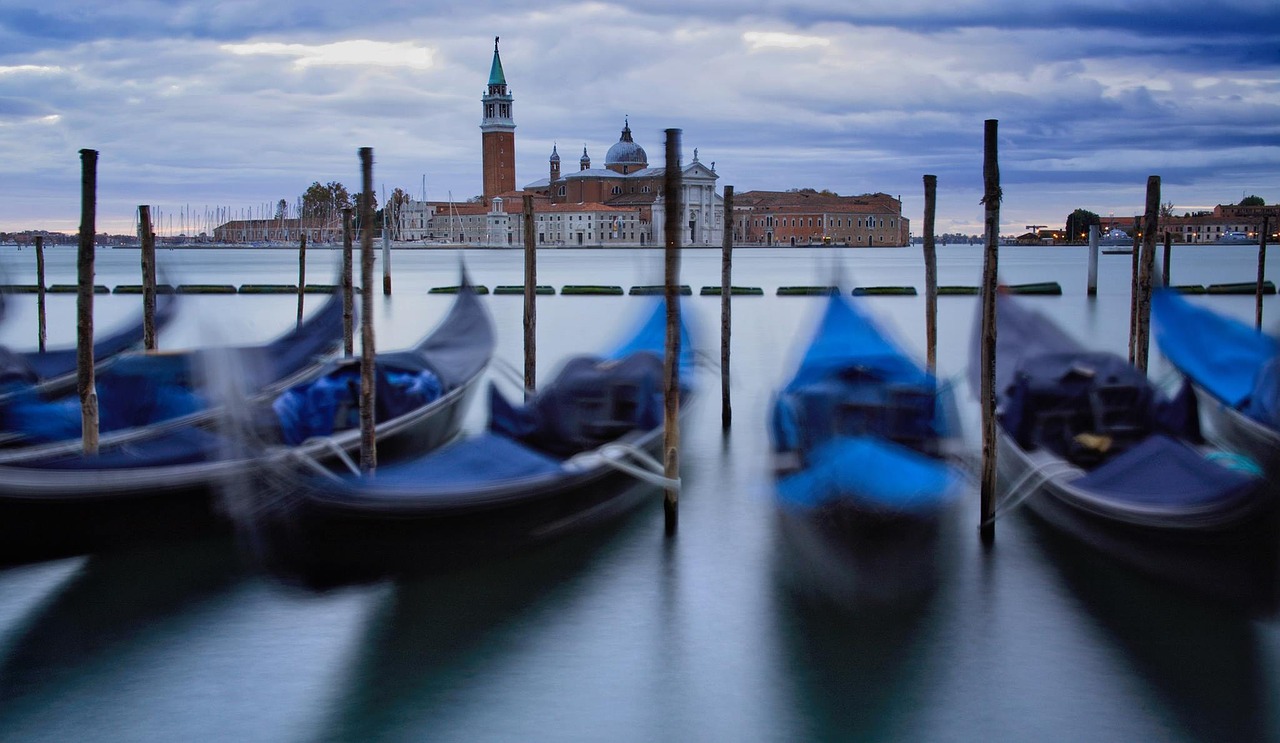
[{"x": 498, "y": 132}]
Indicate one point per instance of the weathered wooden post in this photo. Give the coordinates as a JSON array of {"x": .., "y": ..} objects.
[
  {"x": 302, "y": 274},
  {"x": 348, "y": 300},
  {"x": 930, "y": 274},
  {"x": 990, "y": 270},
  {"x": 386, "y": 256},
  {"x": 530, "y": 300},
  {"x": 368, "y": 445},
  {"x": 1133, "y": 289},
  {"x": 673, "y": 206},
  {"x": 1142, "y": 344},
  {"x": 85, "y": 383},
  {"x": 1092, "y": 289},
  {"x": 147, "y": 242},
  {"x": 1168, "y": 257},
  {"x": 726, "y": 311},
  {"x": 1262, "y": 264},
  {"x": 40, "y": 289}
]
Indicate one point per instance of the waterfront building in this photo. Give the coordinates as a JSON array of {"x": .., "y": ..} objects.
[
  {"x": 808, "y": 217},
  {"x": 1224, "y": 223}
]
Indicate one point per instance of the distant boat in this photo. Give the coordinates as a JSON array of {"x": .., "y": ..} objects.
[
  {"x": 1121, "y": 241},
  {"x": 1234, "y": 238}
]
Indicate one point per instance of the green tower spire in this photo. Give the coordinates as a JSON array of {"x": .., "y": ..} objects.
[{"x": 495, "y": 72}]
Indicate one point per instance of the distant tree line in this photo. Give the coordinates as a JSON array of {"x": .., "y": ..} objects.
[{"x": 327, "y": 200}]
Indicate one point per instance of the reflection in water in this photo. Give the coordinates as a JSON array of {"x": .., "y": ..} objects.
[
  {"x": 855, "y": 673},
  {"x": 114, "y": 602},
  {"x": 1200, "y": 657},
  {"x": 437, "y": 632}
]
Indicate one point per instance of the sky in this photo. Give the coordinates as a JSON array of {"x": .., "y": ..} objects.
[{"x": 194, "y": 104}]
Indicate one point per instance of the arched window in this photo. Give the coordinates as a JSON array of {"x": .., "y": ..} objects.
[
  {"x": 560, "y": 191},
  {"x": 616, "y": 190}
]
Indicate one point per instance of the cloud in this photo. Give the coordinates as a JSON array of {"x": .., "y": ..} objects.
[
  {"x": 757, "y": 40},
  {"x": 356, "y": 52},
  {"x": 244, "y": 102}
]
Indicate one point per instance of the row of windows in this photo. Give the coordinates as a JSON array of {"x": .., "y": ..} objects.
[{"x": 803, "y": 222}]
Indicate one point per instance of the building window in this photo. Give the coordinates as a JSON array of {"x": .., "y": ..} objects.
[
  {"x": 560, "y": 192},
  {"x": 616, "y": 190},
  {"x": 488, "y": 110}
]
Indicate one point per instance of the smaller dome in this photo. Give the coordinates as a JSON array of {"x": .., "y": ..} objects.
[{"x": 626, "y": 151}]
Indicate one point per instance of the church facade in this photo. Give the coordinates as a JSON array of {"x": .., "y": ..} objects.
[{"x": 619, "y": 205}]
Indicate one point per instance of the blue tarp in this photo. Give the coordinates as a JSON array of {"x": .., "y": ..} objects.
[
  {"x": 487, "y": 458},
  {"x": 1228, "y": 358},
  {"x": 1162, "y": 471},
  {"x": 852, "y": 380},
  {"x": 871, "y": 473},
  {"x": 846, "y": 336},
  {"x": 332, "y": 402},
  {"x": 651, "y": 335}
]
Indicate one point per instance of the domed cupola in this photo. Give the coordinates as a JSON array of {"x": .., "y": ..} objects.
[
  {"x": 626, "y": 156},
  {"x": 584, "y": 162}
]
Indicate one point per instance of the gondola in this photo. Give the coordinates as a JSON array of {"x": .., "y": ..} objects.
[
  {"x": 1109, "y": 461},
  {"x": 161, "y": 482},
  {"x": 1234, "y": 370},
  {"x": 570, "y": 458},
  {"x": 53, "y": 371},
  {"x": 141, "y": 392},
  {"x": 863, "y": 439}
]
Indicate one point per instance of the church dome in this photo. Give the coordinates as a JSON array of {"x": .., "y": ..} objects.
[{"x": 626, "y": 152}]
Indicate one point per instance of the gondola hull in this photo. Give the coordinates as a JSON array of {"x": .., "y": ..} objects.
[
  {"x": 1229, "y": 556},
  {"x": 310, "y": 536},
  {"x": 1240, "y": 433},
  {"x": 46, "y": 514},
  {"x": 177, "y": 480}
]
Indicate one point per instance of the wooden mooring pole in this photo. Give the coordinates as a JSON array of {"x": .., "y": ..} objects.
[
  {"x": 990, "y": 271},
  {"x": 368, "y": 447},
  {"x": 386, "y": 257},
  {"x": 302, "y": 274},
  {"x": 85, "y": 383},
  {"x": 1133, "y": 289},
  {"x": 530, "y": 300},
  {"x": 40, "y": 318},
  {"x": 348, "y": 300},
  {"x": 726, "y": 310},
  {"x": 1262, "y": 265},
  {"x": 930, "y": 275},
  {"x": 1092, "y": 287},
  {"x": 147, "y": 242},
  {"x": 1168, "y": 258},
  {"x": 1142, "y": 335},
  {"x": 673, "y": 211}
]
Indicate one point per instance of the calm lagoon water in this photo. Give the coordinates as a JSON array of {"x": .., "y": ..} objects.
[{"x": 628, "y": 635}]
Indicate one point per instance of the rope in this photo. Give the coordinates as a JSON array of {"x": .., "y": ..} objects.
[
  {"x": 343, "y": 456},
  {"x": 645, "y": 468},
  {"x": 509, "y": 371},
  {"x": 1027, "y": 486}
]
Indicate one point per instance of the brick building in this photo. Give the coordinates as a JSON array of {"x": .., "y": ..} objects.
[{"x": 813, "y": 218}]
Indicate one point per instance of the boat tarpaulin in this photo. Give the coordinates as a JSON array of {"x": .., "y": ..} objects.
[{"x": 872, "y": 472}]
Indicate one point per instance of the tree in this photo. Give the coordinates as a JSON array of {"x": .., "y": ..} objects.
[
  {"x": 282, "y": 209},
  {"x": 324, "y": 201},
  {"x": 399, "y": 197},
  {"x": 1166, "y": 210},
  {"x": 1252, "y": 201},
  {"x": 1078, "y": 223}
]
